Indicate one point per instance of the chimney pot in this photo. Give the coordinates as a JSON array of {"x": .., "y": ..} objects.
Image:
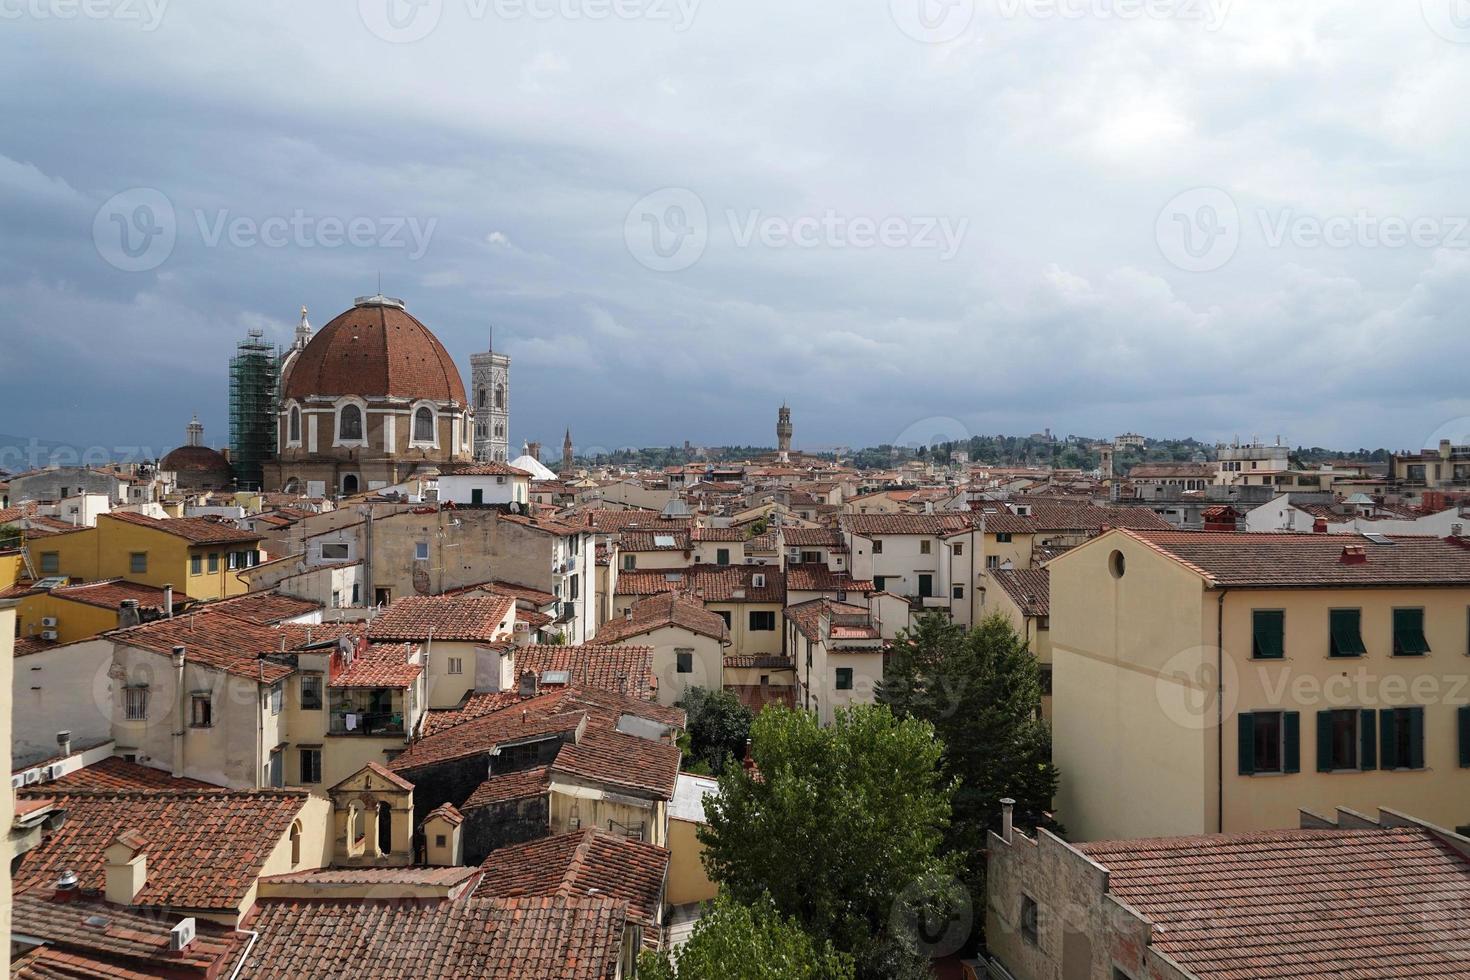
[
  {"x": 1007, "y": 818},
  {"x": 168, "y": 601},
  {"x": 63, "y": 742}
]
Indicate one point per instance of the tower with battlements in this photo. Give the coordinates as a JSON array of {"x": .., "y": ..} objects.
[{"x": 783, "y": 431}]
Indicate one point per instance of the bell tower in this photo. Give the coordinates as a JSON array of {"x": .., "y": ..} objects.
[
  {"x": 490, "y": 383},
  {"x": 783, "y": 432}
]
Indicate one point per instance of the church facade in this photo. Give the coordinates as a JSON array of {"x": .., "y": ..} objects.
[{"x": 370, "y": 400}]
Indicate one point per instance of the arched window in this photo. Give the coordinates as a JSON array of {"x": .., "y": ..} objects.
[
  {"x": 482, "y": 398},
  {"x": 350, "y": 426},
  {"x": 349, "y": 484},
  {"x": 385, "y": 828},
  {"x": 500, "y": 396},
  {"x": 295, "y": 435},
  {"x": 356, "y": 827},
  {"x": 423, "y": 425},
  {"x": 295, "y": 843}
]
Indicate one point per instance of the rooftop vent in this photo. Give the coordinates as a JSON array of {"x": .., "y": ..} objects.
[{"x": 1355, "y": 554}]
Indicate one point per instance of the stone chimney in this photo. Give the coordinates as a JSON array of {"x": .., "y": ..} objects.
[
  {"x": 126, "y": 861},
  {"x": 168, "y": 601},
  {"x": 127, "y": 614}
]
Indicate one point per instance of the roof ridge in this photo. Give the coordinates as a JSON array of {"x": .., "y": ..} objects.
[{"x": 577, "y": 864}]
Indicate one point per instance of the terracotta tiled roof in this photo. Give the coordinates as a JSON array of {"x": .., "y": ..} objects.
[
  {"x": 114, "y": 773},
  {"x": 510, "y": 786},
  {"x": 767, "y": 662},
  {"x": 869, "y": 525},
  {"x": 550, "y": 526},
  {"x": 673, "y": 539},
  {"x": 614, "y": 521},
  {"x": 382, "y": 772},
  {"x": 711, "y": 583},
  {"x": 817, "y": 577},
  {"x": 584, "y": 862},
  {"x": 126, "y": 942},
  {"x": 195, "y": 530},
  {"x": 622, "y": 760},
  {"x": 623, "y": 669},
  {"x": 205, "y": 848},
  {"x": 807, "y": 616},
  {"x": 468, "y": 619},
  {"x": 1029, "y": 588},
  {"x": 382, "y": 665},
  {"x": 446, "y": 812},
  {"x": 731, "y": 535},
  {"x": 1052, "y": 515},
  {"x": 375, "y": 351},
  {"x": 556, "y": 938},
  {"x": 1279, "y": 560},
  {"x": 377, "y": 876},
  {"x": 481, "y": 469},
  {"x": 813, "y": 537},
  {"x": 998, "y": 520},
  {"x": 479, "y": 736},
  {"x": 1298, "y": 903},
  {"x": 219, "y": 641},
  {"x": 604, "y": 707},
  {"x": 264, "y": 608},
  {"x": 659, "y": 611},
  {"x": 109, "y": 592}
]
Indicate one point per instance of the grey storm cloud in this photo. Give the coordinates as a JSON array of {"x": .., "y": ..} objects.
[{"x": 1206, "y": 217}]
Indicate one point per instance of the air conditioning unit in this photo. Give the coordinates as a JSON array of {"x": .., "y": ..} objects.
[
  {"x": 16, "y": 782},
  {"x": 48, "y": 621},
  {"x": 182, "y": 934},
  {"x": 33, "y": 776},
  {"x": 522, "y": 626},
  {"x": 49, "y": 634},
  {"x": 49, "y": 773}
]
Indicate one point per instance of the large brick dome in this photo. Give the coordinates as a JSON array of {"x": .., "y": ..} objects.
[{"x": 375, "y": 349}]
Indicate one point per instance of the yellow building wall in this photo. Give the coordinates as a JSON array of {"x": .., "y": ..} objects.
[
  {"x": 1132, "y": 694},
  {"x": 12, "y": 568},
  {"x": 594, "y": 812},
  {"x": 7, "y": 796},
  {"x": 687, "y": 882},
  {"x": 105, "y": 551},
  {"x": 1307, "y": 680},
  {"x": 314, "y": 821},
  {"x": 1017, "y": 551},
  {"x": 74, "y": 620}
]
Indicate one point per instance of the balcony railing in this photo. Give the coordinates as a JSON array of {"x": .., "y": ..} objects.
[{"x": 369, "y": 723}]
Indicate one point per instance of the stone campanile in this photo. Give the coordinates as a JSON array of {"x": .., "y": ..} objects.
[
  {"x": 783, "y": 431},
  {"x": 490, "y": 380}
]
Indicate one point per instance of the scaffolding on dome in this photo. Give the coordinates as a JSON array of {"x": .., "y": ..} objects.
[{"x": 255, "y": 373}]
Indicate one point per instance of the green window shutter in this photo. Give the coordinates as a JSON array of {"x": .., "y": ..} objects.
[
  {"x": 1269, "y": 628},
  {"x": 1465, "y": 737},
  {"x": 1367, "y": 737},
  {"x": 1291, "y": 729},
  {"x": 1389, "y": 738},
  {"x": 1247, "y": 743},
  {"x": 1324, "y": 741},
  {"x": 1347, "y": 633},
  {"x": 1416, "y": 738},
  {"x": 1408, "y": 633}
]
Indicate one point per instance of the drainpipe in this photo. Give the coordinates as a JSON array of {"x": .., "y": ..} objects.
[
  {"x": 181, "y": 697},
  {"x": 1220, "y": 713}
]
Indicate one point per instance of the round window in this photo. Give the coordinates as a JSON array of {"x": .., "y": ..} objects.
[{"x": 1117, "y": 564}]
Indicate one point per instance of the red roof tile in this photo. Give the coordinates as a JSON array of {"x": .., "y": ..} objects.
[
  {"x": 1029, "y": 588},
  {"x": 468, "y": 619},
  {"x": 659, "y": 611},
  {"x": 114, "y": 773},
  {"x": 205, "y": 848},
  {"x": 195, "y": 530},
  {"x": 382, "y": 665}
]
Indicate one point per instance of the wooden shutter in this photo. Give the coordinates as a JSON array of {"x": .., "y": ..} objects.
[
  {"x": 1247, "y": 743},
  {"x": 1465, "y": 737},
  {"x": 1389, "y": 732},
  {"x": 1408, "y": 633},
  {"x": 1347, "y": 633},
  {"x": 1324, "y": 741},
  {"x": 1269, "y": 629},
  {"x": 1291, "y": 735},
  {"x": 1416, "y": 739},
  {"x": 1367, "y": 758}
]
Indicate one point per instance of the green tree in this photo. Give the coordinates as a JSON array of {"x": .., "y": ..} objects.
[
  {"x": 981, "y": 691},
  {"x": 747, "y": 942},
  {"x": 839, "y": 826},
  {"x": 717, "y": 727}
]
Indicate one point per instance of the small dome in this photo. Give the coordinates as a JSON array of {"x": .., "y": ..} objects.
[
  {"x": 198, "y": 467},
  {"x": 377, "y": 348}
]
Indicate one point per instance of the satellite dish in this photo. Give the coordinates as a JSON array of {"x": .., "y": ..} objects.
[{"x": 515, "y": 507}]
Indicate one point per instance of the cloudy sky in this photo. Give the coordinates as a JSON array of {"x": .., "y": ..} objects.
[{"x": 908, "y": 218}]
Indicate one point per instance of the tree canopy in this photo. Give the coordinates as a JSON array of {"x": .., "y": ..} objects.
[
  {"x": 717, "y": 726},
  {"x": 747, "y": 942}
]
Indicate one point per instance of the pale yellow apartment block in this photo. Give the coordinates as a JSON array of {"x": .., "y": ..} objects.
[{"x": 1219, "y": 682}]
